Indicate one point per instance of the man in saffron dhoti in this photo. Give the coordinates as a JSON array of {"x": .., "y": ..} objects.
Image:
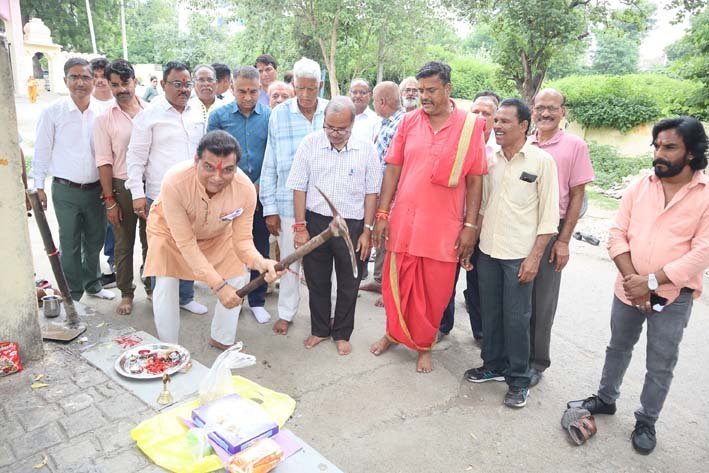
[{"x": 435, "y": 166}]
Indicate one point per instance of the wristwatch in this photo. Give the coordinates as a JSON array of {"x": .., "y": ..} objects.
[
  {"x": 369, "y": 227},
  {"x": 652, "y": 282}
]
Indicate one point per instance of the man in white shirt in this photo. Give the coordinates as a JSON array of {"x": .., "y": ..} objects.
[
  {"x": 102, "y": 100},
  {"x": 223, "y": 87},
  {"x": 366, "y": 121},
  {"x": 347, "y": 169},
  {"x": 164, "y": 134},
  {"x": 64, "y": 149},
  {"x": 205, "y": 98}
]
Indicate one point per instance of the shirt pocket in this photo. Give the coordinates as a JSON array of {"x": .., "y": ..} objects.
[{"x": 521, "y": 193}]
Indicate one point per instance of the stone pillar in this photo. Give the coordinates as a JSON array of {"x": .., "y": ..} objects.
[{"x": 18, "y": 300}]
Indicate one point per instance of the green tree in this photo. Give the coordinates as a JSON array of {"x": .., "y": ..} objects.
[
  {"x": 68, "y": 21},
  {"x": 690, "y": 59},
  {"x": 530, "y": 33},
  {"x": 615, "y": 54}
]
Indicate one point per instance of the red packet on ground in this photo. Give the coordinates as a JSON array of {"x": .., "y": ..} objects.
[{"x": 9, "y": 358}]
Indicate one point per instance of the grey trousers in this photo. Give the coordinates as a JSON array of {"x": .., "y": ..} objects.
[
  {"x": 544, "y": 301},
  {"x": 664, "y": 334}
]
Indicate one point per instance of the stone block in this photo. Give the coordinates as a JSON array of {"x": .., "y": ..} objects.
[
  {"x": 120, "y": 406},
  {"x": 115, "y": 436},
  {"x": 37, "y": 440},
  {"x": 89, "y": 377},
  {"x": 83, "y": 421},
  {"x": 32, "y": 419},
  {"x": 54, "y": 392},
  {"x": 109, "y": 389},
  {"x": 76, "y": 402},
  {"x": 74, "y": 454},
  {"x": 122, "y": 463}
]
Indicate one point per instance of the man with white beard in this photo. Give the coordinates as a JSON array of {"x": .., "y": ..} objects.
[{"x": 409, "y": 90}]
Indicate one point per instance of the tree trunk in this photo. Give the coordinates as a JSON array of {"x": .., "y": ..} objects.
[
  {"x": 528, "y": 86},
  {"x": 380, "y": 57},
  {"x": 18, "y": 322}
]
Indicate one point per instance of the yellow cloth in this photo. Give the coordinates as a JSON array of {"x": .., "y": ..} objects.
[
  {"x": 163, "y": 438},
  {"x": 516, "y": 211}
]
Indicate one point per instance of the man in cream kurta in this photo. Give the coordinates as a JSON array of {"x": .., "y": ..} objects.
[{"x": 199, "y": 228}]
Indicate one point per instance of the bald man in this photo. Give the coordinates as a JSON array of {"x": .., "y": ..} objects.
[
  {"x": 574, "y": 171},
  {"x": 387, "y": 105}
]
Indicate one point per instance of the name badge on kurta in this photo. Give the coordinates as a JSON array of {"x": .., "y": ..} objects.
[{"x": 231, "y": 216}]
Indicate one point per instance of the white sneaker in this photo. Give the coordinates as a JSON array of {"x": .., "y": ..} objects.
[
  {"x": 261, "y": 314},
  {"x": 104, "y": 294},
  {"x": 195, "y": 307}
]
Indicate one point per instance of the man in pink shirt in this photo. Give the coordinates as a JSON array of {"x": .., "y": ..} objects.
[
  {"x": 435, "y": 166},
  {"x": 111, "y": 137},
  {"x": 574, "y": 171},
  {"x": 660, "y": 244}
]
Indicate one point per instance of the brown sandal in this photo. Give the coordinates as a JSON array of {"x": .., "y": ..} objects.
[{"x": 579, "y": 423}]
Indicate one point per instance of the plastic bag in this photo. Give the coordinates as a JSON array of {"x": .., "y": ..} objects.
[
  {"x": 218, "y": 382},
  {"x": 9, "y": 358},
  {"x": 261, "y": 457},
  {"x": 197, "y": 438}
]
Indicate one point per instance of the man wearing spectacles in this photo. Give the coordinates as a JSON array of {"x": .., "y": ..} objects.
[
  {"x": 205, "y": 98},
  {"x": 366, "y": 122},
  {"x": 409, "y": 90},
  {"x": 167, "y": 132},
  {"x": 574, "y": 170},
  {"x": 64, "y": 149},
  {"x": 346, "y": 168}
]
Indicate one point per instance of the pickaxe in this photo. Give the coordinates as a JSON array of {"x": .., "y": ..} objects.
[{"x": 337, "y": 228}]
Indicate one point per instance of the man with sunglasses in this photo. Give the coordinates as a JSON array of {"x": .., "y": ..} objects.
[
  {"x": 347, "y": 169},
  {"x": 166, "y": 133},
  {"x": 64, "y": 149}
]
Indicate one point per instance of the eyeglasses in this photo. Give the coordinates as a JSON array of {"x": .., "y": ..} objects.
[
  {"x": 550, "y": 109},
  {"x": 206, "y": 80},
  {"x": 358, "y": 93},
  {"x": 75, "y": 78},
  {"x": 181, "y": 85},
  {"x": 336, "y": 130}
]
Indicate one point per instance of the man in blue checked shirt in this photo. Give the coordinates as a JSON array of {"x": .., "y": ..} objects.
[
  {"x": 290, "y": 122},
  {"x": 247, "y": 120},
  {"x": 387, "y": 104}
]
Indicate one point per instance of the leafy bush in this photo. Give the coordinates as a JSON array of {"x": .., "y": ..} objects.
[
  {"x": 622, "y": 102},
  {"x": 610, "y": 167},
  {"x": 470, "y": 75}
]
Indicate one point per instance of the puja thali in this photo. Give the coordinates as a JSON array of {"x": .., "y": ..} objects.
[{"x": 152, "y": 360}]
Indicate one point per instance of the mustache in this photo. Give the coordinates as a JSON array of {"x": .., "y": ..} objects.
[{"x": 661, "y": 161}]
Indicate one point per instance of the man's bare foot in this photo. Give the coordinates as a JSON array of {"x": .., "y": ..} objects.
[
  {"x": 380, "y": 346},
  {"x": 343, "y": 347},
  {"x": 424, "y": 363},
  {"x": 213, "y": 343},
  {"x": 125, "y": 307},
  {"x": 372, "y": 286},
  {"x": 379, "y": 302},
  {"x": 281, "y": 327},
  {"x": 312, "y": 340}
]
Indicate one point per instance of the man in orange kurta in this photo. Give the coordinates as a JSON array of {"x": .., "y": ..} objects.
[
  {"x": 199, "y": 228},
  {"x": 435, "y": 167}
]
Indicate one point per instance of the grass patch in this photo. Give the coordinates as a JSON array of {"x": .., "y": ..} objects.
[
  {"x": 611, "y": 168},
  {"x": 601, "y": 201}
]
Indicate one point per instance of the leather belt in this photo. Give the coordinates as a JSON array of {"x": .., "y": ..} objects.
[{"x": 67, "y": 182}]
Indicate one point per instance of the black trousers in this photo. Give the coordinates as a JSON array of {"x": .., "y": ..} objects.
[
  {"x": 257, "y": 298},
  {"x": 318, "y": 271}
]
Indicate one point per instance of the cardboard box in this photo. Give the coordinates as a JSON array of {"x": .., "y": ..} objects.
[{"x": 234, "y": 423}]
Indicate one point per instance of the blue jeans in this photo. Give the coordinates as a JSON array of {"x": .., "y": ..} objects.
[
  {"x": 506, "y": 307},
  {"x": 186, "y": 287},
  {"x": 109, "y": 245},
  {"x": 664, "y": 334}
]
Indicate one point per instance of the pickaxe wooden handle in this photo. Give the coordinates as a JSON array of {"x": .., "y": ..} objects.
[{"x": 337, "y": 227}]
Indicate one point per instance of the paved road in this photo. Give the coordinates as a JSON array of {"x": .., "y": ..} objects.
[{"x": 376, "y": 414}]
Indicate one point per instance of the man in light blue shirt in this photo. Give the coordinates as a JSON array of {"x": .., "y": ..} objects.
[
  {"x": 290, "y": 122},
  {"x": 247, "y": 120}
]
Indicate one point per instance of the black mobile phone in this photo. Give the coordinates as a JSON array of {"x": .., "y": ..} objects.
[
  {"x": 527, "y": 177},
  {"x": 657, "y": 302}
]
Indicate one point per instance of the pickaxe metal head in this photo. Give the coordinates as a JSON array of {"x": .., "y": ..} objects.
[{"x": 339, "y": 229}]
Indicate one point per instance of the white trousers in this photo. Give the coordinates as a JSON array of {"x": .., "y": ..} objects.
[
  {"x": 289, "y": 292},
  {"x": 166, "y": 309}
]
